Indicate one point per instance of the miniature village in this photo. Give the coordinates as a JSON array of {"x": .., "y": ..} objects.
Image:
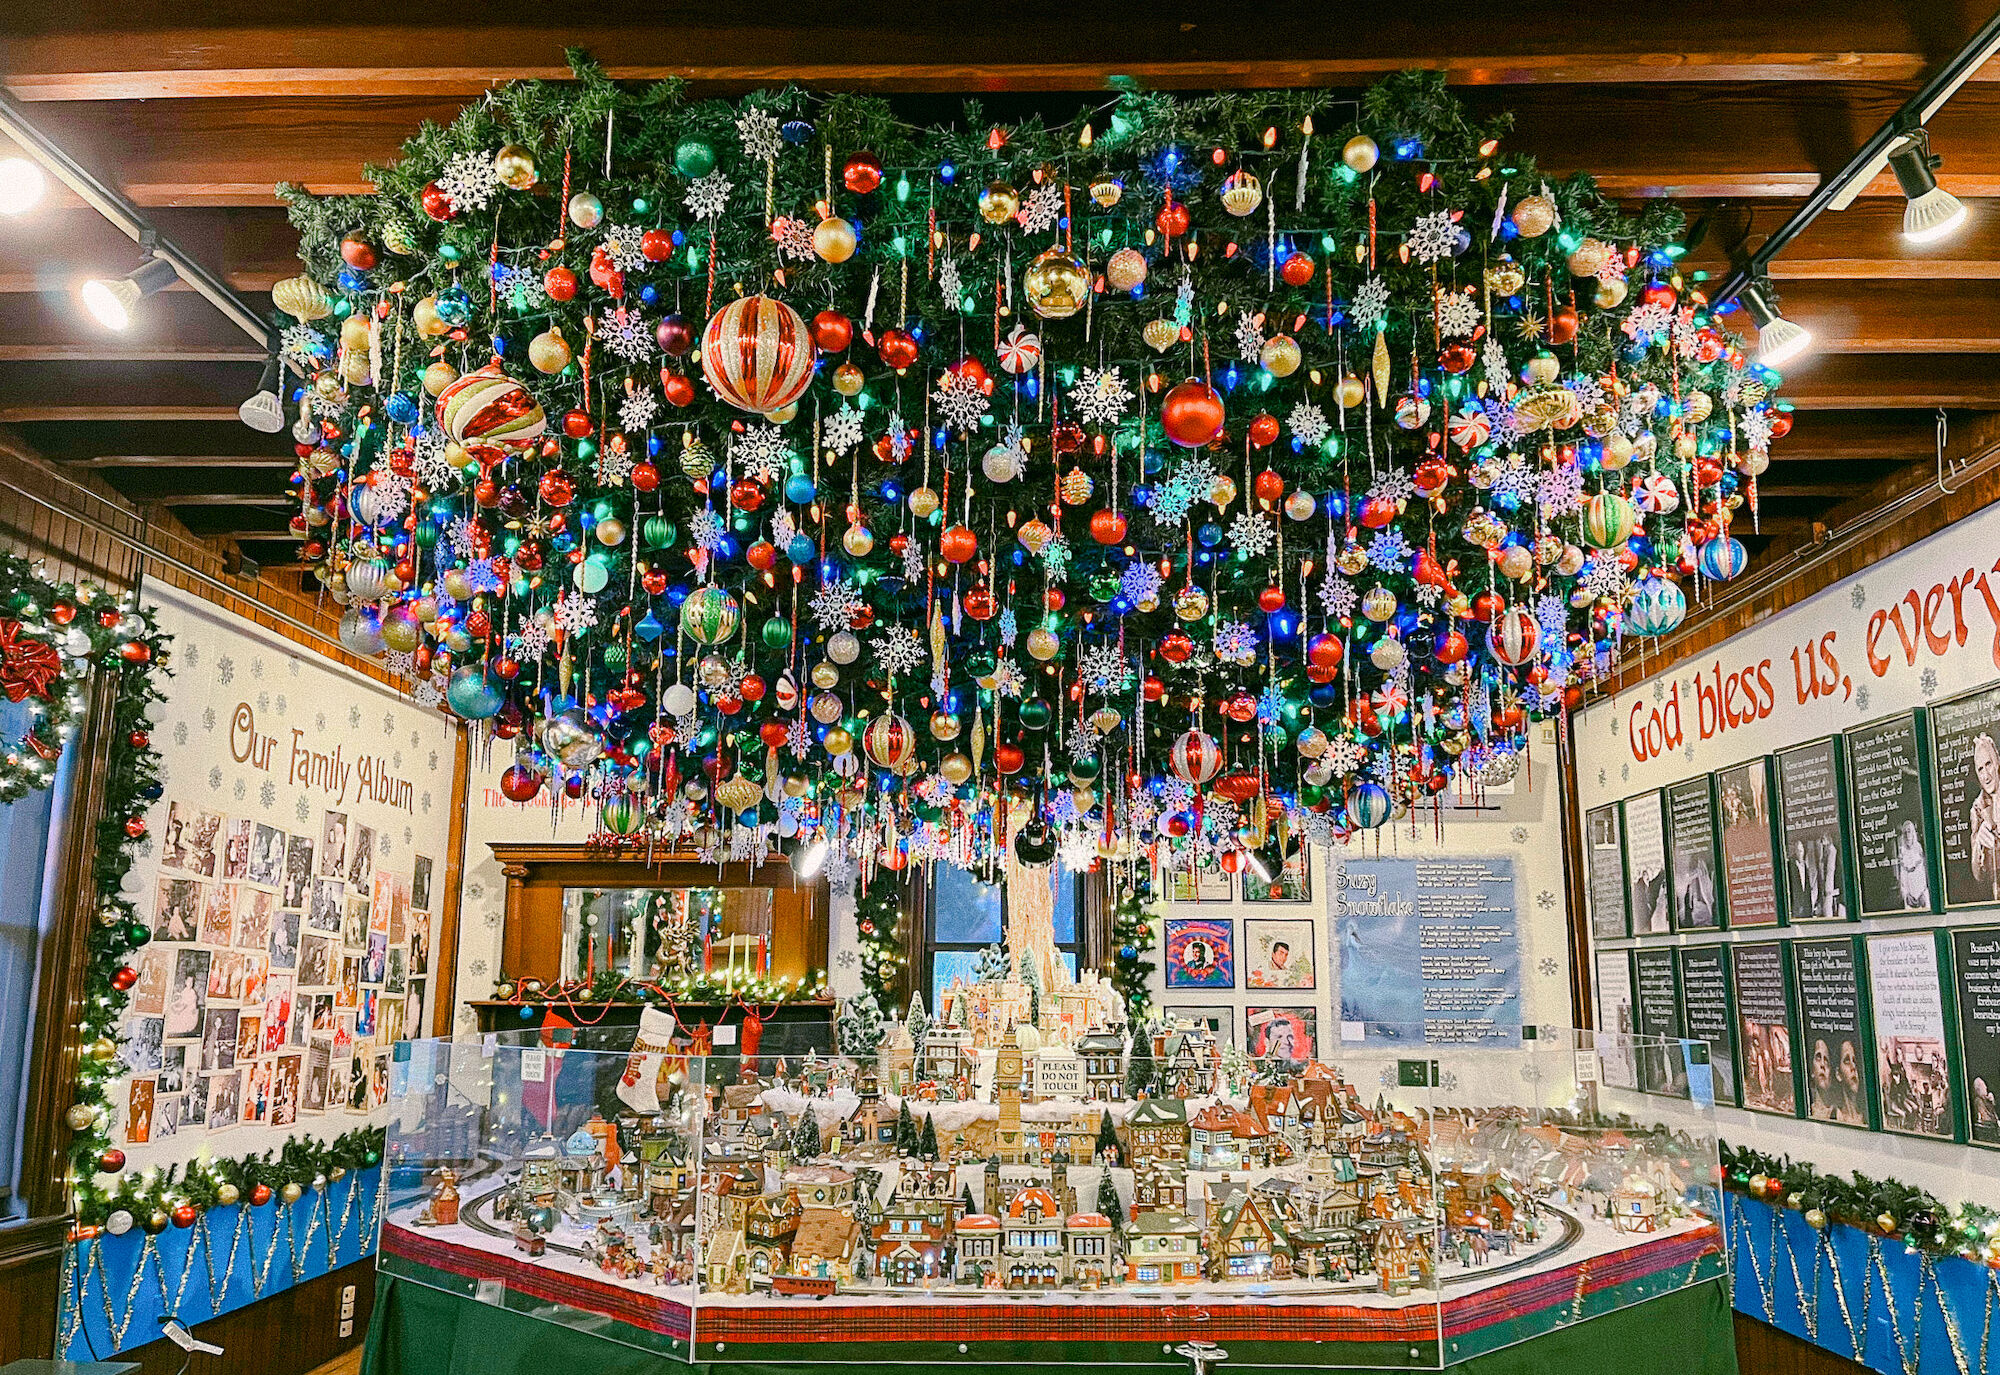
[{"x": 1019, "y": 1144}]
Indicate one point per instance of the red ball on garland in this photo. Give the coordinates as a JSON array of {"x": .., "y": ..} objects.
[
  {"x": 260, "y": 1195},
  {"x": 656, "y": 245},
  {"x": 1009, "y": 759},
  {"x": 645, "y": 477},
  {"x": 560, "y": 283},
  {"x": 107, "y": 618},
  {"x": 831, "y": 331},
  {"x": 1271, "y": 599},
  {"x": 862, "y": 173},
  {"x": 745, "y": 495},
  {"x": 135, "y": 826},
  {"x": 958, "y": 544},
  {"x": 897, "y": 349},
  {"x": 556, "y": 488},
  {"x": 1192, "y": 414},
  {"x": 123, "y": 977},
  {"x": 437, "y": 202},
  {"x": 139, "y": 739},
  {"x": 1172, "y": 219},
  {"x": 674, "y": 335},
  {"x": 520, "y": 783},
  {"x": 111, "y": 1161},
  {"x": 679, "y": 389},
  {"x": 62, "y": 613},
  {"x": 576, "y": 424},
  {"x": 184, "y": 1215},
  {"x": 1107, "y": 527}
]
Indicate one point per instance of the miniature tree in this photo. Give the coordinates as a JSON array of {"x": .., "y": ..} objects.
[
  {"x": 1107, "y": 1199},
  {"x": 806, "y": 1138},
  {"x": 917, "y": 1020},
  {"x": 927, "y": 1143},
  {"x": 1108, "y": 1149},
  {"x": 907, "y": 1143},
  {"x": 967, "y": 1204},
  {"x": 992, "y": 966},
  {"x": 1140, "y": 1070},
  {"x": 861, "y": 1027}
]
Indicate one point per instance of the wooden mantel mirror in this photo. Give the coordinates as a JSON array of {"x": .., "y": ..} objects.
[{"x": 574, "y": 912}]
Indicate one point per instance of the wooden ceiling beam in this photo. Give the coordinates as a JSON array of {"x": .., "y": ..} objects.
[
  {"x": 1904, "y": 316},
  {"x": 29, "y": 413},
  {"x": 181, "y": 461},
  {"x": 115, "y": 352},
  {"x": 1893, "y": 381},
  {"x": 1754, "y": 141},
  {"x": 1863, "y": 242}
]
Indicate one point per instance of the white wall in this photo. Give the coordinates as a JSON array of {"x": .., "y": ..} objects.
[{"x": 1847, "y": 639}]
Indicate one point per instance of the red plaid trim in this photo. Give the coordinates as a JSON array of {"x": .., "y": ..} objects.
[{"x": 649, "y": 1312}]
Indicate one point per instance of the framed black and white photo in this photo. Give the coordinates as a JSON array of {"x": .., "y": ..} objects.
[
  {"x": 1604, "y": 875},
  {"x": 1749, "y": 844},
  {"x": 1975, "y": 986},
  {"x": 1888, "y": 803},
  {"x": 1833, "y": 1032},
  {"x": 1691, "y": 851},
  {"x": 1812, "y": 833},
  {"x": 1648, "y": 889},
  {"x": 1965, "y": 774}
]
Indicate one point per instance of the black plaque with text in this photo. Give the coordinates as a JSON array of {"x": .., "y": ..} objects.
[
  {"x": 1887, "y": 801},
  {"x": 1764, "y": 1018},
  {"x": 1656, "y": 997},
  {"x": 1691, "y": 848},
  {"x": 1975, "y": 978},
  {"x": 1812, "y": 833},
  {"x": 1833, "y": 1038},
  {"x": 1749, "y": 843},
  {"x": 1604, "y": 844},
  {"x": 1705, "y": 1008}
]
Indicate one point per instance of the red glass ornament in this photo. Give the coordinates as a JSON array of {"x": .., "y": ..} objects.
[
  {"x": 1176, "y": 648},
  {"x": 1458, "y": 357},
  {"x": 978, "y": 603},
  {"x": 486, "y": 492},
  {"x": 520, "y": 783},
  {"x": 1270, "y": 487},
  {"x": 260, "y": 1195},
  {"x": 745, "y": 495},
  {"x": 560, "y": 283},
  {"x": 184, "y": 1215},
  {"x": 897, "y": 349},
  {"x": 1172, "y": 219},
  {"x": 107, "y": 618},
  {"x": 679, "y": 390},
  {"x": 752, "y": 688},
  {"x": 1562, "y": 327},
  {"x": 1431, "y": 477},
  {"x": 1781, "y": 424},
  {"x": 1192, "y": 414},
  {"x": 477, "y": 623},
  {"x": 1271, "y": 599},
  {"x": 111, "y": 1161},
  {"x": 1107, "y": 527},
  {"x": 861, "y": 173},
  {"x": 1296, "y": 269},
  {"x": 555, "y": 488},
  {"x": 1452, "y": 648},
  {"x": 654, "y": 581},
  {"x": 1152, "y": 689},
  {"x": 645, "y": 477},
  {"x": 506, "y": 669},
  {"x": 1487, "y": 606},
  {"x": 761, "y": 555},
  {"x": 1660, "y": 294},
  {"x": 958, "y": 544},
  {"x": 674, "y": 335},
  {"x": 656, "y": 245},
  {"x": 772, "y": 733},
  {"x": 576, "y": 424},
  {"x": 357, "y": 252},
  {"x": 1067, "y": 437},
  {"x": 436, "y": 203},
  {"x": 1264, "y": 430},
  {"x": 604, "y": 273},
  {"x": 1009, "y": 759},
  {"x": 1055, "y": 599},
  {"x": 123, "y": 977},
  {"x": 1377, "y": 513},
  {"x": 831, "y": 331}
]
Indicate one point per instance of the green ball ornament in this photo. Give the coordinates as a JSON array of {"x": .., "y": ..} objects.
[
  {"x": 137, "y": 933},
  {"x": 371, "y": 1159},
  {"x": 694, "y": 157},
  {"x": 777, "y": 633},
  {"x": 614, "y": 657},
  {"x": 659, "y": 532},
  {"x": 1085, "y": 770},
  {"x": 427, "y": 535},
  {"x": 1035, "y": 714}
]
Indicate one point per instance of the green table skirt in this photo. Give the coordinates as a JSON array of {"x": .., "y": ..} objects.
[{"x": 417, "y": 1330}]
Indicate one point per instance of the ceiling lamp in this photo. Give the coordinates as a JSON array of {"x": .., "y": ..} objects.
[
  {"x": 264, "y": 411},
  {"x": 111, "y": 302},
  {"x": 1932, "y": 212},
  {"x": 21, "y": 186},
  {"x": 1779, "y": 341}
]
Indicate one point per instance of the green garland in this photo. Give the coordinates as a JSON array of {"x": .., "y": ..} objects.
[
  {"x": 1884, "y": 1207},
  {"x": 151, "y": 1199},
  {"x": 1134, "y": 932},
  {"x": 608, "y": 986}
]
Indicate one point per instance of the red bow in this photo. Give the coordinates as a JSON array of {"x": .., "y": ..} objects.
[{"x": 26, "y": 665}]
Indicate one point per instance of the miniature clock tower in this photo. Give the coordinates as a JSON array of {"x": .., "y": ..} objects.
[{"x": 1007, "y": 1085}]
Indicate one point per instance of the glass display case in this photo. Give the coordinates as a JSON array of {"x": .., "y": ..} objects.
[{"x": 1397, "y": 1205}]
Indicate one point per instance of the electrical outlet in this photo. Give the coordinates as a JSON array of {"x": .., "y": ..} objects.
[
  {"x": 347, "y": 1305},
  {"x": 347, "y": 1327}
]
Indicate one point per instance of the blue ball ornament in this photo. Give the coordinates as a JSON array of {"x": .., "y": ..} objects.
[
  {"x": 474, "y": 693},
  {"x": 799, "y": 489}
]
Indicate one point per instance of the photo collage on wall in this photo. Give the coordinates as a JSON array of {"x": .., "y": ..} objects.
[
  {"x": 1207, "y": 949},
  {"x": 282, "y": 967},
  {"x": 1897, "y": 818}
]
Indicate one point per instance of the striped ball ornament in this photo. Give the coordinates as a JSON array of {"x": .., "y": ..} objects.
[
  {"x": 1723, "y": 557},
  {"x": 1608, "y": 520},
  {"x": 757, "y": 354},
  {"x": 486, "y": 412},
  {"x": 710, "y": 615},
  {"x": 889, "y": 741},
  {"x": 1196, "y": 757},
  {"x": 1513, "y": 636}
]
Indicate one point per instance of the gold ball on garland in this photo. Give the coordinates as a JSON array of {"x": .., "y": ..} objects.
[
  {"x": 515, "y": 167},
  {"x": 956, "y": 768},
  {"x": 438, "y": 376},
  {"x": 292, "y": 1192},
  {"x": 1886, "y": 1222},
  {"x": 1588, "y": 257},
  {"x": 156, "y": 1222},
  {"x": 1043, "y": 644},
  {"x": 1160, "y": 335},
  {"x": 1280, "y": 355},
  {"x": 1757, "y": 1184},
  {"x": 838, "y": 741},
  {"x": 227, "y": 1193},
  {"x": 1361, "y": 153},
  {"x": 1505, "y": 278},
  {"x": 1056, "y": 284},
  {"x": 834, "y": 239},
  {"x": 302, "y": 298},
  {"x": 585, "y": 210},
  {"x": 858, "y": 540},
  {"x": 1535, "y": 216},
  {"x": 999, "y": 202},
  {"x": 1190, "y": 603},
  {"x": 1125, "y": 269},
  {"x": 1815, "y": 1219},
  {"x": 103, "y": 1050},
  {"x": 549, "y": 351},
  {"x": 81, "y": 1117}
]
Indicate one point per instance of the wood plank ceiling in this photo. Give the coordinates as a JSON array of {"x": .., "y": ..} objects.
[{"x": 196, "y": 111}]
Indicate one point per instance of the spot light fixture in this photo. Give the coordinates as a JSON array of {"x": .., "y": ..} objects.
[
  {"x": 1932, "y": 212},
  {"x": 1779, "y": 341},
  {"x": 111, "y": 302}
]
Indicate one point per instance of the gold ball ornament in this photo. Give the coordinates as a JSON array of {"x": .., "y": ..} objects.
[
  {"x": 1241, "y": 193},
  {"x": 1517, "y": 563},
  {"x": 1378, "y": 604},
  {"x": 1589, "y": 257},
  {"x": 956, "y": 768},
  {"x": 438, "y": 376},
  {"x": 515, "y": 167},
  {"x": 1754, "y": 463},
  {"x": 858, "y": 541},
  {"x": 826, "y": 707},
  {"x": 292, "y": 1192},
  {"x": 1280, "y": 355},
  {"x": 833, "y": 239},
  {"x": 611, "y": 532},
  {"x": 843, "y": 647},
  {"x": 1301, "y": 504},
  {"x": 1077, "y": 487},
  {"x": 1535, "y": 216},
  {"x": 1223, "y": 492},
  {"x": 1350, "y": 392},
  {"x": 1351, "y": 559},
  {"x": 923, "y": 502},
  {"x": 1697, "y": 407},
  {"x": 1160, "y": 335},
  {"x": 1190, "y": 603},
  {"x": 1056, "y": 284},
  {"x": 1571, "y": 562},
  {"x": 1043, "y": 644},
  {"x": 839, "y": 740},
  {"x": 1361, "y": 153},
  {"x": 999, "y": 202},
  {"x": 944, "y": 726},
  {"x": 1617, "y": 452},
  {"x": 1505, "y": 278},
  {"x": 549, "y": 351},
  {"x": 1125, "y": 269},
  {"x": 80, "y": 1117},
  {"x": 1610, "y": 293},
  {"x": 425, "y": 319},
  {"x": 354, "y": 367},
  {"x": 227, "y": 1193},
  {"x": 1484, "y": 529},
  {"x": 354, "y": 332},
  {"x": 848, "y": 380}
]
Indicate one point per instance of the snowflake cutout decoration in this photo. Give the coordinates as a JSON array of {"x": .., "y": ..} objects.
[
  {"x": 626, "y": 335},
  {"x": 620, "y": 243},
  {"x": 1308, "y": 423},
  {"x": 1235, "y": 642},
  {"x": 960, "y": 402},
  {"x": 762, "y": 451},
  {"x": 392, "y": 494},
  {"x": 794, "y": 237},
  {"x": 1176, "y": 794},
  {"x": 1249, "y": 336},
  {"x": 798, "y": 737},
  {"x": 899, "y": 437},
  {"x": 1515, "y": 482},
  {"x": 758, "y": 131},
  {"x": 899, "y": 650},
  {"x": 1103, "y": 397},
  {"x": 519, "y": 287},
  {"x": 637, "y": 410},
  {"x": 463, "y": 537},
  {"x": 1191, "y": 482},
  {"x": 1433, "y": 236},
  {"x": 1251, "y": 536},
  {"x": 1756, "y": 430},
  {"x": 1371, "y": 302},
  {"x": 470, "y": 180},
  {"x": 531, "y": 642},
  {"x": 1389, "y": 552},
  {"x": 1604, "y": 578},
  {"x": 1105, "y": 669},
  {"x": 1647, "y": 322},
  {"x": 614, "y": 465},
  {"x": 834, "y": 605},
  {"x": 1493, "y": 360},
  {"x": 1394, "y": 485},
  {"x": 1042, "y": 208},
  {"x": 303, "y": 344},
  {"x": 1552, "y": 615},
  {"x": 1140, "y": 583},
  {"x": 574, "y": 612},
  {"x": 708, "y": 531},
  {"x": 1056, "y": 557},
  {"x": 708, "y": 197},
  {"x": 842, "y": 430},
  {"x": 1457, "y": 314},
  {"x": 1344, "y": 754},
  {"x": 429, "y": 463},
  {"x": 1338, "y": 596},
  {"x": 1010, "y": 628},
  {"x": 1559, "y": 491},
  {"x": 948, "y": 280},
  {"x": 1588, "y": 391},
  {"x": 427, "y": 693},
  {"x": 913, "y": 562},
  {"x": 1008, "y": 680}
]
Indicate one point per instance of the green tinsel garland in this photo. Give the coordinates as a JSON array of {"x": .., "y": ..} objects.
[
  {"x": 1886, "y": 1207},
  {"x": 1133, "y": 934}
]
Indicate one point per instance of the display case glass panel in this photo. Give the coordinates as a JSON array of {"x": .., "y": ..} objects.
[{"x": 649, "y": 934}]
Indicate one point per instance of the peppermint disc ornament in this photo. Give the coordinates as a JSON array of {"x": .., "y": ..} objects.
[
  {"x": 1020, "y": 351},
  {"x": 1468, "y": 432},
  {"x": 488, "y": 410},
  {"x": 1723, "y": 557},
  {"x": 757, "y": 354},
  {"x": 1196, "y": 757},
  {"x": 1513, "y": 637},
  {"x": 710, "y": 615},
  {"x": 1658, "y": 607},
  {"x": 889, "y": 741},
  {"x": 1655, "y": 494}
]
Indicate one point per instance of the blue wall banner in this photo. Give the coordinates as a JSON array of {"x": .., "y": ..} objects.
[{"x": 1428, "y": 948}]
